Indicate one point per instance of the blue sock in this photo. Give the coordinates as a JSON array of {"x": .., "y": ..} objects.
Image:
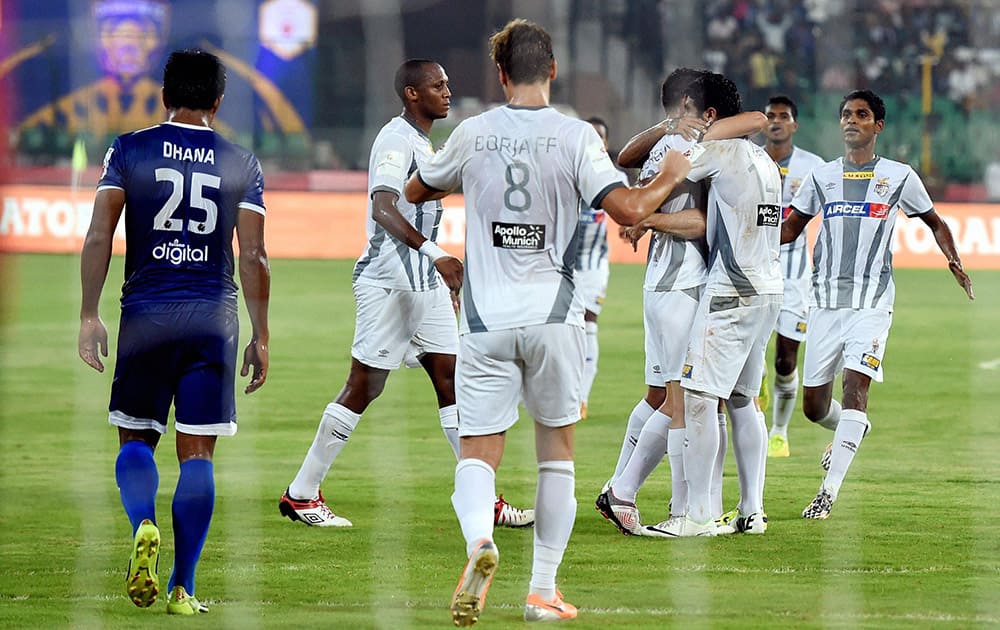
[
  {"x": 138, "y": 479},
  {"x": 194, "y": 501}
]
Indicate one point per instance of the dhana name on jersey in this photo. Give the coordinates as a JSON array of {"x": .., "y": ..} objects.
[
  {"x": 187, "y": 154},
  {"x": 516, "y": 146},
  {"x": 518, "y": 235},
  {"x": 857, "y": 209},
  {"x": 768, "y": 215},
  {"x": 176, "y": 253}
]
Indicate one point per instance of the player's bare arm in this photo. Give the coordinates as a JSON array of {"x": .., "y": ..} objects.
[
  {"x": 628, "y": 206},
  {"x": 637, "y": 149},
  {"x": 416, "y": 190},
  {"x": 686, "y": 224},
  {"x": 946, "y": 243},
  {"x": 94, "y": 261},
  {"x": 793, "y": 225},
  {"x": 737, "y": 126},
  {"x": 386, "y": 214},
  {"x": 255, "y": 279}
]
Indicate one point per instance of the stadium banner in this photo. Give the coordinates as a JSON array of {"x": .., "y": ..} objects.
[{"x": 332, "y": 225}]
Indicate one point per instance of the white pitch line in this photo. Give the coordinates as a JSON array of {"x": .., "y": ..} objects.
[{"x": 990, "y": 365}]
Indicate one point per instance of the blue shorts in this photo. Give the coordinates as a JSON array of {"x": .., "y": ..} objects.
[{"x": 179, "y": 353}]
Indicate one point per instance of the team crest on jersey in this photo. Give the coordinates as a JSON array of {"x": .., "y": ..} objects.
[
  {"x": 518, "y": 235},
  {"x": 768, "y": 215},
  {"x": 882, "y": 187},
  {"x": 800, "y": 327},
  {"x": 687, "y": 370},
  {"x": 870, "y": 361},
  {"x": 794, "y": 185}
]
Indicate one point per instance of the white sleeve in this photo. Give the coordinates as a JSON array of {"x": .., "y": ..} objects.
[
  {"x": 392, "y": 155},
  {"x": 806, "y": 200},
  {"x": 444, "y": 170},
  {"x": 596, "y": 174},
  {"x": 914, "y": 199},
  {"x": 705, "y": 162}
]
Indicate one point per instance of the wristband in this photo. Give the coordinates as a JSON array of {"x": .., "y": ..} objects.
[{"x": 431, "y": 249}]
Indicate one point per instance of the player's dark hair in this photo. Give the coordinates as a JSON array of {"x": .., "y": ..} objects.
[
  {"x": 523, "y": 50},
  {"x": 597, "y": 120},
  {"x": 781, "y": 99},
  {"x": 675, "y": 84},
  {"x": 410, "y": 73},
  {"x": 874, "y": 102},
  {"x": 193, "y": 79},
  {"x": 715, "y": 90}
]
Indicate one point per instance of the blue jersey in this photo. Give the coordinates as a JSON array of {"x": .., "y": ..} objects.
[{"x": 184, "y": 187}]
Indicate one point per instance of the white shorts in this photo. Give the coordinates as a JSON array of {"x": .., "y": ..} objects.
[
  {"x": 542, "y": 366},
  {"x": 667, "y": 316},
  {"x": 845, "y": 338},
  {"x": 794, "y": 316},
  {"x": 592, "y": 284},
  {"x": 392, "y": 322},
  {"x": 728, "y": 339}
]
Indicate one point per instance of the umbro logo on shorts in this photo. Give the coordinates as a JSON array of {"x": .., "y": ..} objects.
[
  {"x": 518, "y": 235},
  {"x": 768, "y": 215}
]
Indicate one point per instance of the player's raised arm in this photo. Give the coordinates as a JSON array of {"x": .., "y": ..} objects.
[
  {"x": 946, "y": 243},
  {"x": 94, "y": 261},
  {"x": 736, "y": 126},
  {"x": 637, "y": 149},
  {"x": 255, "y": 278},
  {"x": 628, "y": 206}
]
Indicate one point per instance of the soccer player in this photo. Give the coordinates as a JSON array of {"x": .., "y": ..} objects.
[
  {"x": 852, "y": 286},
  {"x": 794, "y": 163},
  {"x": 523, "y": 169},
  {"x": 675, "y": 274},
  {"x": 402, "y": 307},
  {"x": 591, "y": 274},
  {"x": 183, "y": 189},
  {"x": 736, "y": 313}
]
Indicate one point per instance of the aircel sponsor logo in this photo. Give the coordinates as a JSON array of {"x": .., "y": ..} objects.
[
  {"x": 518, "y": 235},
  {"x": 856, "y": 209},
  {"x": 176, "y": 252}
]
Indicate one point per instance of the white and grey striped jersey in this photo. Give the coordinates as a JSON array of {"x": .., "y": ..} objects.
[
  {"x": 744, "y": 217},
  {"x": 852, "y": 258},
  {"x": 794, "y": 168},
  {"x": 523, "y": 172},
  {"x": 592, "y": 235},
  {"x": 673, "y": 264},
  {"x": 399, "y": 149}
]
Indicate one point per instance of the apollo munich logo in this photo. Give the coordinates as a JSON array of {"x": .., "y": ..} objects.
[{"x": 518, "y": 235}]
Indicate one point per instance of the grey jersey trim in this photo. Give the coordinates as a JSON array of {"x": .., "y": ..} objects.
[
  {"x": 378, "y": 237},
  {"x": 723, "y": 248},
  {"x": 870, "y": 260},
  {"x": 599, "y": 198},
  {"x": 469, "y": 310},
  {"x": 384, "y": 188},
  {"x": 669, "y": 276},
  {"x": 849, "y": 236},
  {"x": 564, "y": 298}
]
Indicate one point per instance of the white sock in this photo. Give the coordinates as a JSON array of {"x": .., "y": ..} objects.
[
  {"x": 335, "y": 427},
  {"x": 555, "y": 513},
  {"x": 636, "y": 420},
  {"x": 678, "y": 482},
  {"x": 649, "y": 451},
  {"x": 592, "y": 350},
  {"x": 786, "y": 390},
  {"x": 720, "y": 460},
  {"x": 851, "y": 430},
  {"x": 832, "y": 417},
  {"x": 475, "y": 487},
  {"x": 700, "y": 448},
  {"x": 449, "y": 424},
  {"x": 749, "y": 437}
]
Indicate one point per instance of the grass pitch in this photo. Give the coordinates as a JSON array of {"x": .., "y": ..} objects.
[{"x": 912, "y": 540}]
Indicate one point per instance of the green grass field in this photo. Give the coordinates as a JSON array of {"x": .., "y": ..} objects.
[{"x": 913, "y": 540}]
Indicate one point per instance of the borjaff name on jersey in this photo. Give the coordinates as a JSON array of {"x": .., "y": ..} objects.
[
  {"x": 518, "y": 235},
  {"x": 856, "y": 209},
  {"x": 516, "y": 146},
  {"x": 176, "y": 253},
  {"x": 173, "y": 151}
]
